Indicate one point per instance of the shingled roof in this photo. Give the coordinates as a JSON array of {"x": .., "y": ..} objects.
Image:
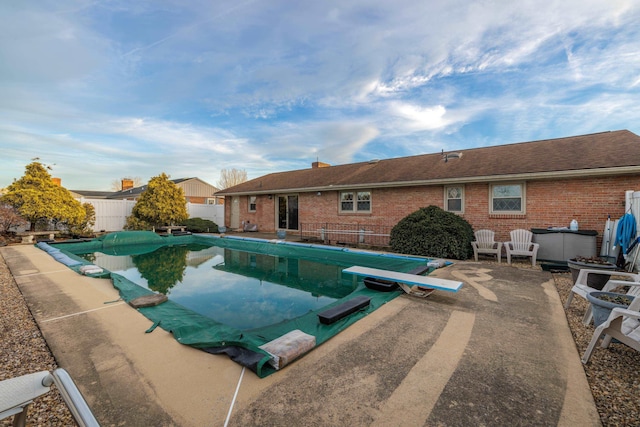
[{"x": 606, "y": 153}]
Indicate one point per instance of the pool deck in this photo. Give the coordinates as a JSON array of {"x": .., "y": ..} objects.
[{"x": 498, "y": 352}]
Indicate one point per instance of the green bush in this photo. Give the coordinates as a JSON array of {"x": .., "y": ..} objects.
[
  {"x": 199, "y": 225},
  {"x": 134, "y": 223},
  {"x": 433, "y": 232}
]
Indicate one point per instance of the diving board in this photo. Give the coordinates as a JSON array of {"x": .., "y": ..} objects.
[{"x": 404, "y": 279}]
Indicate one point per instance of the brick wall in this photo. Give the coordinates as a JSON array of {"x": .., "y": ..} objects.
[
  {"x": 548, "y": 203},
  {"x": 554, "y": 203},
  {"x": 263, "y": 215}
]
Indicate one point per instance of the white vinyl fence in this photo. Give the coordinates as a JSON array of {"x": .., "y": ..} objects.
[{"x": 111, "y": 215}]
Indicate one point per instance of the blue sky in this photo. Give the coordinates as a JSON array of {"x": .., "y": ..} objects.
[{"x": 103, "y": 90}]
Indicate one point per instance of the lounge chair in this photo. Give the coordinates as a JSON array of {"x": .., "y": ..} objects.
[
  {"x": 485, "y": 244},
  {"x": 581, "y": 287},
  {"x": 16, "y": 394},
  {"x": 623, "y": 324},
  {"x": 521, "y": 245}
]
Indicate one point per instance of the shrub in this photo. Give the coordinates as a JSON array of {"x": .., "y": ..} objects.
[
  {"x": 433, "y": 232},
  {"x": 134, "y": 223},
  {"x": 162, "y": 203},
  {"x": 9, "y": 218},
  {"x": 199, "y": 225},
  {"x": 84, "y": 227}
]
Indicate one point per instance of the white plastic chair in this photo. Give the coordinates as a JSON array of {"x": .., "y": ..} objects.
[
  {"x": 581, "y": 288},
  {"x": 521, "y": 245},
  {"x": 623, "y": 324},
  {"x": 484, "y": 244},
  {"x": 16, "y": 394}
]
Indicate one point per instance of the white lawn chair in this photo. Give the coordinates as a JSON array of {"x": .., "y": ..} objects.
[
  {"x": 581, "y": 288},
  {"x": 484, "y": 244},
  {"x": 521, "y": 245},
  {"x": 623, "y": 324},
  {"x": 16, "y": 394}
]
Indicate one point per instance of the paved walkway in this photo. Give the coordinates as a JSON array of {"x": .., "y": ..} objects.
[{"x": 498, "y": 352}]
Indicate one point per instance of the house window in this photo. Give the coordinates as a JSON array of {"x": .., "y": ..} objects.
[
  {"x": 454, "y": 199},
  {"x": 355, "y": 201},
  {"x": 252, "y": 203},
  {"x": 507, "y": 198}
]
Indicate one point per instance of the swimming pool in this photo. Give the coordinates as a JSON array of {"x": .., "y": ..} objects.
[
  {"x": 234, "y": 295},
  {"x": 240, "y": 289}
]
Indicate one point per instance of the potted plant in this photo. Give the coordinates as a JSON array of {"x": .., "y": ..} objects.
[
  {"x": 603, "y": 302},
  {"x": 596, "y": 281}
]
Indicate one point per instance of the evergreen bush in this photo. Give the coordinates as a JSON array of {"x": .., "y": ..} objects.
[
  {"x": 434, "y": 233},
  {"x": 134, "y": 223},
  {"x": 199, "y": 225}
]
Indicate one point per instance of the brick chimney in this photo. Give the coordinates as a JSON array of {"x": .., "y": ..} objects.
[
  {"x": 127, "y": 184},
  {"x": 316, "y": 165}
]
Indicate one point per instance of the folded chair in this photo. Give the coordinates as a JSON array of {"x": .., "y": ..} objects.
[
  {"x": 581, "y": 287},
  {"x": 520, "y": 244},
  {"x": 623, "y": 324},
  {"x": 484, "y": 244}
]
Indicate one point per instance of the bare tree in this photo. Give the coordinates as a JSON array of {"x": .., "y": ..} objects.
[
  {"x": 9, "y": 217},
  {"x": 231, "y": 177}
]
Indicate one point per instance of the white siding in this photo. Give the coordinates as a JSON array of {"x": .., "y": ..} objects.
[{"x": 197, "y": 188}]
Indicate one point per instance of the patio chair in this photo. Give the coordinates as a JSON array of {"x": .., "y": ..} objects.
[
  {"x": 623, "y": 324},
  {"x": 581, "y": 287},
  {"x": 520, "y": 245},
  {"x": 484, "y": 244}
]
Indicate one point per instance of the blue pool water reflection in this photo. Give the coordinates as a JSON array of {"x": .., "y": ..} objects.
[{"x": 241, "y": 289}]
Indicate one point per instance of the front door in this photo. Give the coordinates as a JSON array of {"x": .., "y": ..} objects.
[
  {"x": 235, "y": 213},
  {"x": 288, "y": 212}
]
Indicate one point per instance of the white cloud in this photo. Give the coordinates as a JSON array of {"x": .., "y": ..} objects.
[
  {"x": 419, "y": 118},
  {"x": 189, "y": 88}
]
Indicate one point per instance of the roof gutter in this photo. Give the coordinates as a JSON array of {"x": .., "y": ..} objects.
[{"x": 580, "y": 173}]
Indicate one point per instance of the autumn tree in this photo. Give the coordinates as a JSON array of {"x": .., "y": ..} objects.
[
  {"x": 162, "y": 203},
  {"x": 231, "y": 177},
  {"x": 38, "y": 199}
]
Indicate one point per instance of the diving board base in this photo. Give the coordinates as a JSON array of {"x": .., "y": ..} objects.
[{"x": 410, "y": 283}]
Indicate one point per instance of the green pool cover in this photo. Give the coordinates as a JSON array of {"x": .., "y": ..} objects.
[{"x": 198, "y": 331}]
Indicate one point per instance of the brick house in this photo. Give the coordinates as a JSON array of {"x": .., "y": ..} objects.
[{"x": 525, "y": 185}]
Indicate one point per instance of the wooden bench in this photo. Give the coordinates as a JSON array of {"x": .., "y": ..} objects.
[
  {"x": 170, "y": 228},
  {"x": 27, "y": 236},
  {"x": 408, "y": 282}
]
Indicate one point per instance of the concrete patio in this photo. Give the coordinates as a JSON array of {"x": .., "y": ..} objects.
[{"x": 499, "y": 352}]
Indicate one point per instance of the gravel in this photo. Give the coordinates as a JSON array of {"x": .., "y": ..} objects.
[
  {"x": 612, "y": 373},
  {"x": 23, "y": 351}
]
